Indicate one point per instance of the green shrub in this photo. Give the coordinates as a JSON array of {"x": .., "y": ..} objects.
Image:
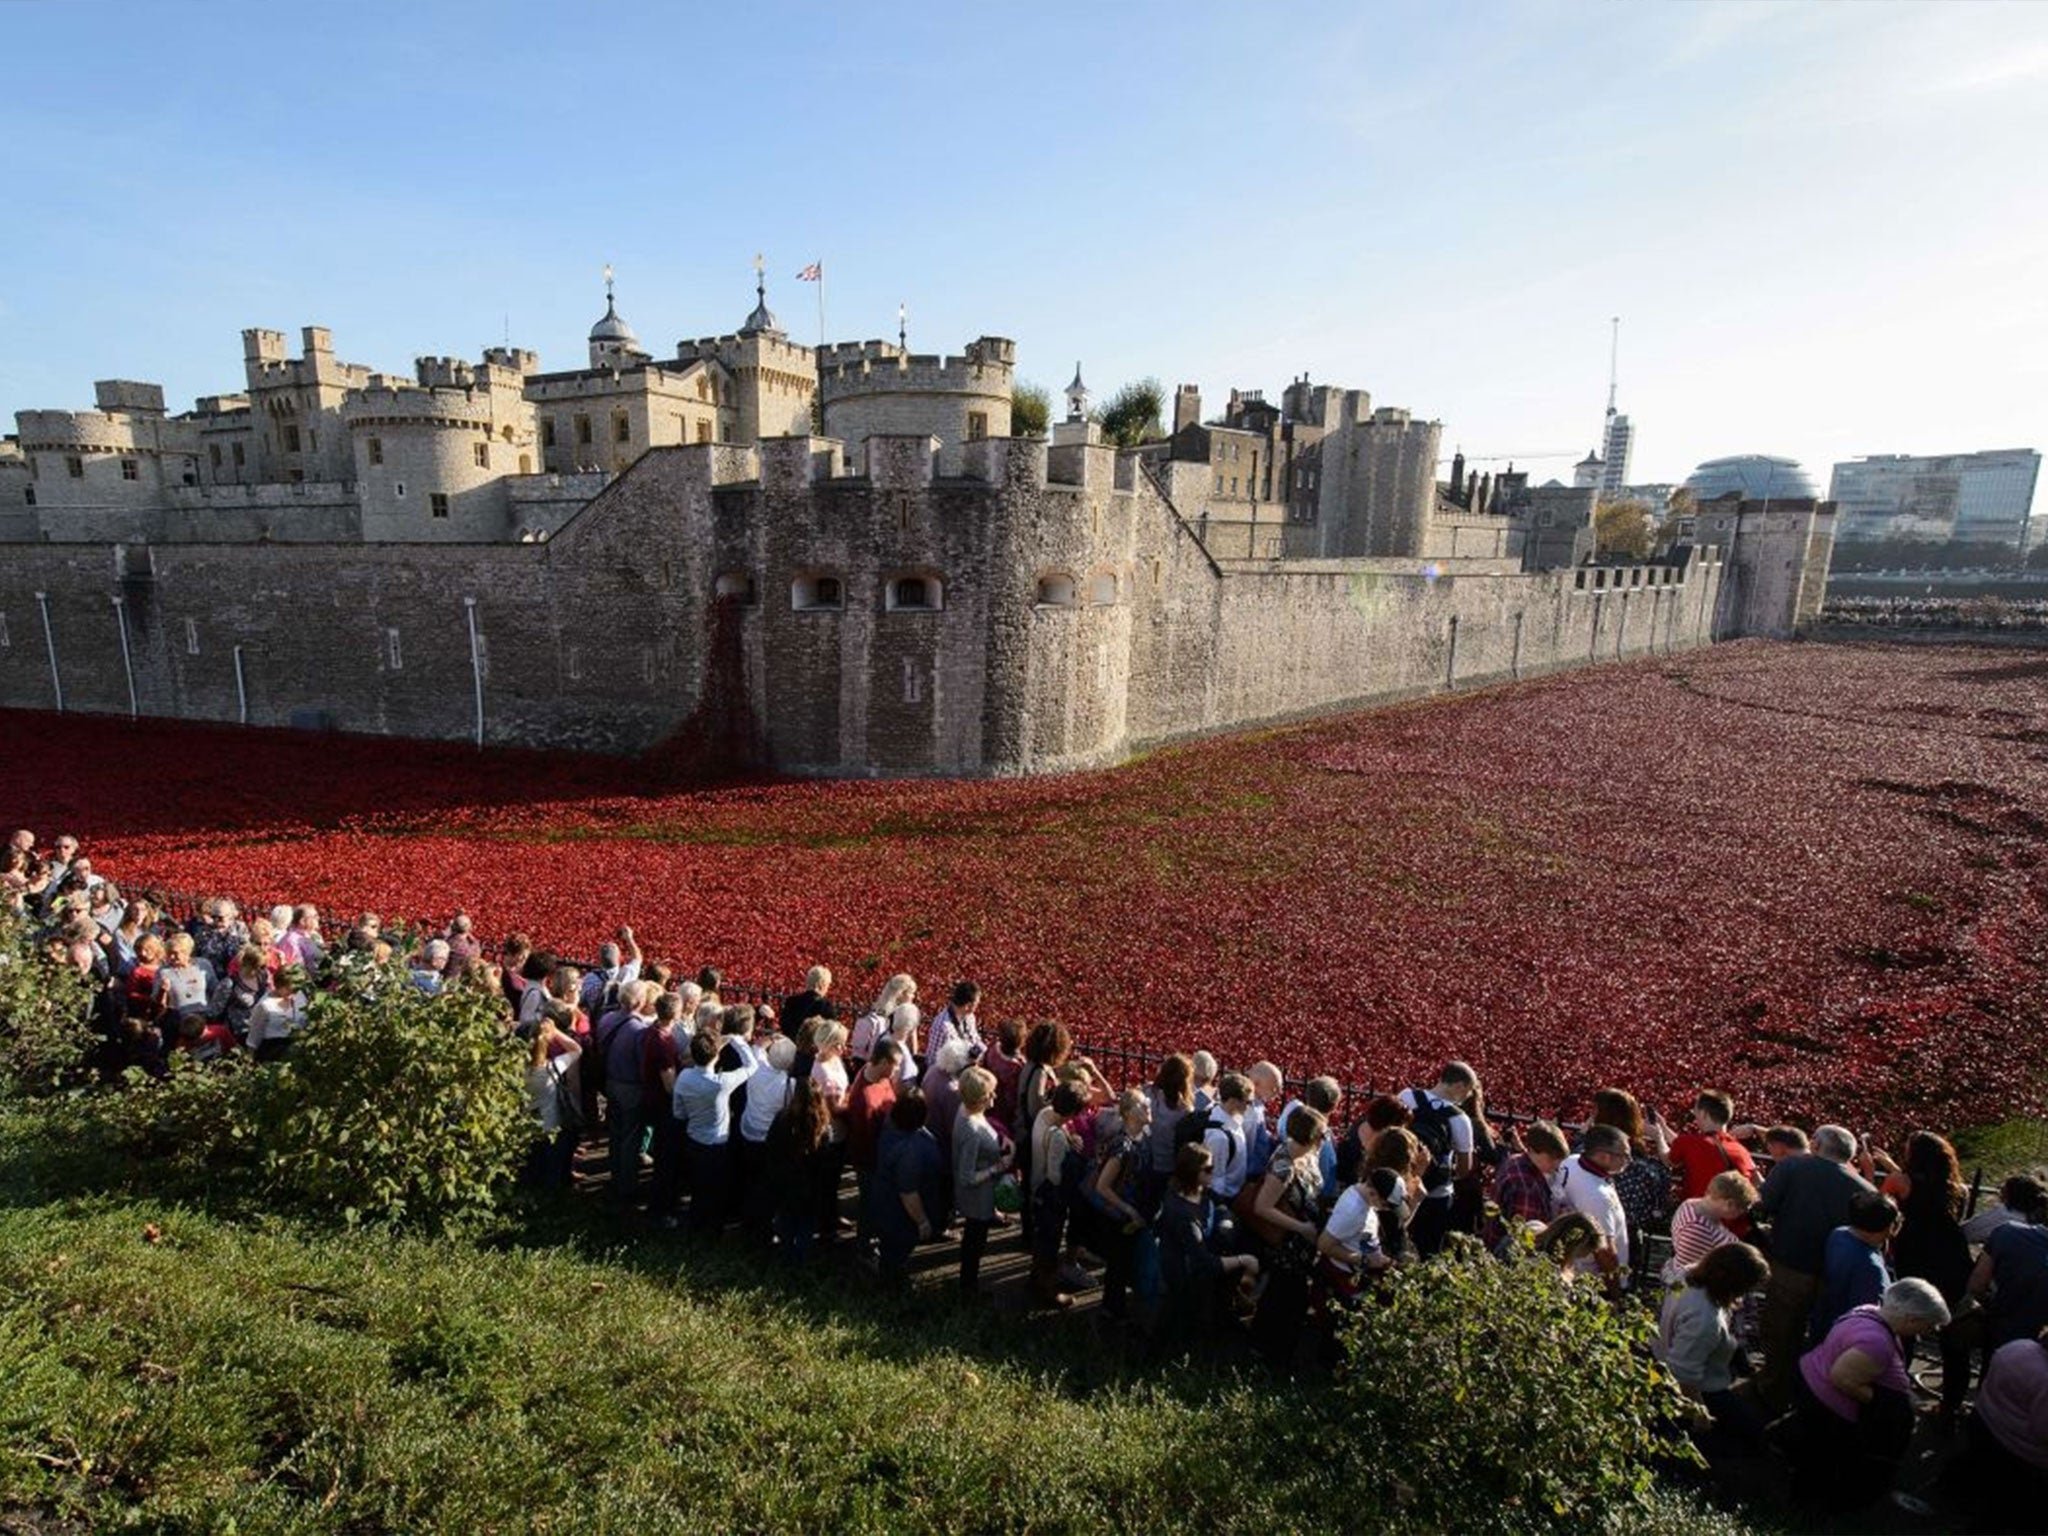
[
  {"x": 1510, "y": 1397},
  {"x": 395, "y": 1106},
  {"x": 183, "y": 1132},
  {"x": 45, "y": 1028}
]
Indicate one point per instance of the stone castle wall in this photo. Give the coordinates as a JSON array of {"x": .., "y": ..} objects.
[{"x": 1044, "y": 610}]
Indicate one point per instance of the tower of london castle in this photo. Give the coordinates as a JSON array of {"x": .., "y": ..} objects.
[{"x": 830, "y": 560}]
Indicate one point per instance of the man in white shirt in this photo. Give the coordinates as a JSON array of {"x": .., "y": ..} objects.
[
  {"x": 1229, "y": 1152},
  {"x": 1585, "y": 1183},
  {"x": 1441, "y": 1124}
]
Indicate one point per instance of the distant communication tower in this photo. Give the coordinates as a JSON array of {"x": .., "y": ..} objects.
[{"x": 1618, "y": 436}]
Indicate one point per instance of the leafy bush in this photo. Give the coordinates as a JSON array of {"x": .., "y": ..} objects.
[
  {"x": 182, "y": 1132},
  {"x": 393, "y": 1105},
  {"x": 45, "y": 1031},
  {"x": 1502, "y": 1396}
]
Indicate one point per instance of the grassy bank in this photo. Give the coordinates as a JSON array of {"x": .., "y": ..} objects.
[{"x": 179, "y": 1371}]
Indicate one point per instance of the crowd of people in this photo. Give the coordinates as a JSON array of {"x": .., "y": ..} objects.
[{"x": 1795, "y": 1275}]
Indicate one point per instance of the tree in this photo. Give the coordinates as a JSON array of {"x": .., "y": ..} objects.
[
  {"x": 1030, "y": 409},
  {"x": 1622, "y": 528},
  {"x": 1135, "y": 414},
  {"x": 1683, "y": 504}
]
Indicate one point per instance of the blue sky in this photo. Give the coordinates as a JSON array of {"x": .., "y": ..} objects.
[{"x": 1823, "y": 225}]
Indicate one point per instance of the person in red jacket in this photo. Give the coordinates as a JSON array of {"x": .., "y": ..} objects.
[
  {"x": 1707, "y": 1149},
  {"x": 868, "y": 1103}
]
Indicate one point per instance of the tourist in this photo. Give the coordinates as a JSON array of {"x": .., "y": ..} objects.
[
  {"x": 957, "y": 1019},
  {"x": 978, "y": 1160},
  {"x": 1269, "y": 1086},
  {"x": 278, "y": 1015},
  {"x": 2011, "y": 1276},
  {"x": 1284, "y": 1219},
  {"x": 1324, "y": 1095},
  {"x": 1223, "y": 1133},
  {"x": 1644, "y": 1184},
  {"x": 220, "y": 934},
  {"x": 941, "y": 1089},
  {"x": 1805, "y": 1198},
  {"x": 429, "y": 968},
  {"x": 2003, "y": 1472},
  {"x": 909, "y": 1189},
  {"x": 802, "y": 1170},
  {"x": 141, "y": 989},
  {"x": 868, "y": 1101},
  {"x": 1853, "y": 1271},
  {"x": 184, "y": 986},
  {"x": 1703, "y": 1153},
  {"x": 463, "y": 948},
  {"x": 1006, "y": 1061},
  {"x": 1193, "y": 1271},
  {"x": 1348, "y": 1249},
  {"x": 1397, "y": 1154},
  {"x": 1928, "y": 1186},
  {"x": 300, "y": 943},
  {"x": 767, "y": 1095},
  {"x": 904, "y": 1021},
  {"x": 2016, "y": 1196},
  {"x": 1853, "y": 1400},
  {"x": 824, "y": 1041},
  {"x": 1171, "y": 1097},
  {"x": 1522, "y": 1197},
  {"x": 1696, "y": 1339},
  {"x": 811, "y": 1003},
  {"x": 1707, "y": 1222},
  {"x": 1441, "y": 1124},
  {"x": 625, "y": 1089},
  {"x": 619, "y": 960},
  {"x": 1586, "y": 1184},
  {"x": 1204, "y": 1069},
  {"x": 1048, "y": 1187},
  {"x": 702, "y": 1104},
  {"x": 874, "y": 1022},
  {"x": 1115, "y": 1193},
  {"x": 248, "y": 983},
  {"x": 556, "y": 1097},
  {"x": 136, "y": 918}
]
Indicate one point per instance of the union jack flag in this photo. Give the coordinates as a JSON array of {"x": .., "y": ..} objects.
[{"x": 814, "y": 273}]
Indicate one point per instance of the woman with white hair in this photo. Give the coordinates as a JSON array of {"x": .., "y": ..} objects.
[
  {"x": 874, "y": 1023},
  {"x": 1853, "y": 1400},
  {"x": 942, "y": 1089},
  {"x": 904, "y": 1020}
]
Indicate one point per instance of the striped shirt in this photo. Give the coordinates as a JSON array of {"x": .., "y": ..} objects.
[{"x": 1695, "y": 1232}]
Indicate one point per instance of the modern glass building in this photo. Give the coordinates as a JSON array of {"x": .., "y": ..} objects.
[
  {"x": 1753, "y": 476},
  {"x": 1958, "y": 498}
]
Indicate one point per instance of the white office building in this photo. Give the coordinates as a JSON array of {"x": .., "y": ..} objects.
[{"x": 1950, "y": 498}]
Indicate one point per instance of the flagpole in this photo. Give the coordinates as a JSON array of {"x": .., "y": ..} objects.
[{"x": 821, "y": 306}]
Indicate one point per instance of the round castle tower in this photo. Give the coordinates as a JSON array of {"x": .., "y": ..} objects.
[
  {"x": 431, "y": 456},
  {"x": 875, "y": 388}
]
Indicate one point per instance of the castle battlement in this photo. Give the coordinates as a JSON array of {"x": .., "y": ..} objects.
[{"x": 984, "y": 367}]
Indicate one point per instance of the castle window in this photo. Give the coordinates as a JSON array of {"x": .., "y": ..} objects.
[
  {"x": 392, "y": 655},
  {"x": 5, "y": 643},
  {"x": 582, "y": 429},
  {"x": 703, "y": 431},
  {"x": 398, "y": 490},
  {"x": 913, "y": 683},
  {"x": 740, "y": 585},
  {"x": 977, "y": 425},
  {"x": 526, "y": 463},
  {"x": 1581, "y": 583},
  {"x": 291, "y": 439},
  {"x": 191, "y": 637},
  {"x": 74, "y": 466},
  {"x": 812, "y": 593},
  {"x": 437, "y": 503},
  {"x": 295, "y": 476},
  {"x": 912, "y": 594},
  {"x": 547, "y": 431},
  {"x": 376, "y": 450},
  {"x": 506, "y": 432},
  {"x": 28, "y": 495},
  {"x": 213, "y": 454},
  {"x": 1056, "y": 591},
  {"x": 239, "y": 458},
  {"x": 622, "y": 428},
  {"x": 483, "y": 455},
  {"x": 1102, "y": 588}
]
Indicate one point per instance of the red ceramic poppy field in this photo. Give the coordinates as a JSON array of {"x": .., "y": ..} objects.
[{"x": 1812, "y": 875}]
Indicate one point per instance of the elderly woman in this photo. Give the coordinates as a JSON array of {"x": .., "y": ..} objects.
[
  {"x": 876, "y": 1021},
  {"x": 1696, "y": 1340},
  {"x": 1113, "y": 1193},
  {"x": 1700, "y": 1226},
  {"x": 1854, "y": 1401}
]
